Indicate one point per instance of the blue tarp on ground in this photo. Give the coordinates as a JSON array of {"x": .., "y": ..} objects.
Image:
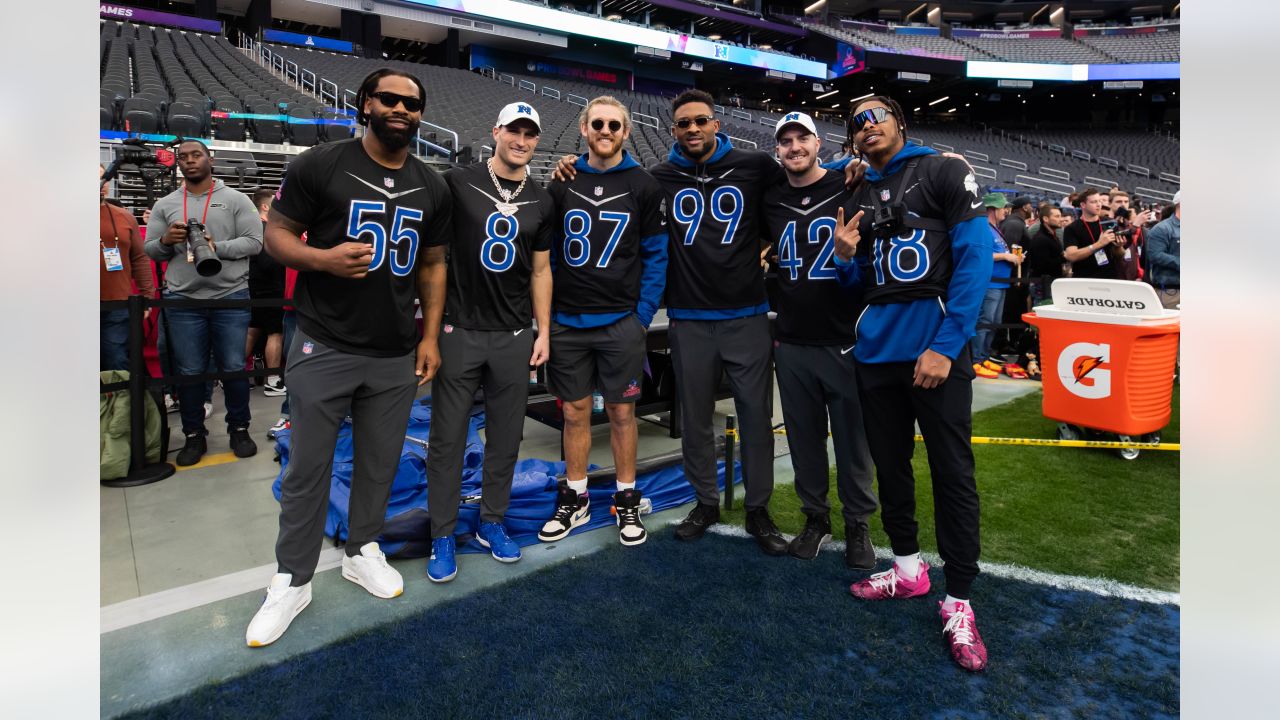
[{"x": 407, "y": 532}]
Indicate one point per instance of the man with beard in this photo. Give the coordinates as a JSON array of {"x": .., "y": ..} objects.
[
  {"x": 610, "y": 269},
  {"x": 1044, "y": 253},
  {"x": 1089, "y": 247},
  {"x": 922, "y": 277},
  {"x": 376, "y": 221},
  {"x": 234, "y": 230},
  {"x": 498, "y": 268},
  {"x": 813, "y": 346}
]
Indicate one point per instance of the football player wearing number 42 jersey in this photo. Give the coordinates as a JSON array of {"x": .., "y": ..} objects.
[
  {"x": 610, "y": 266},
  {"x": 922, "y": 273},
  {"x": 499, "y": 281}
]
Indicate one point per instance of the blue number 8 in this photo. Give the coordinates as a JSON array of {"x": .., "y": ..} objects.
[
  {"x": 912, "y": 243},
  {"x": 493, "y": 240},
  {"x": 576, "y": 239}
]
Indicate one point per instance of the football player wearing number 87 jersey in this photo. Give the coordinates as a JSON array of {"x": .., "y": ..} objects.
[
  {"x": 610, "y": 264},
  {"x": 923, "y": 253},
  {"x": 813, "y": 345},
  {"x": 499, "y": 281}
]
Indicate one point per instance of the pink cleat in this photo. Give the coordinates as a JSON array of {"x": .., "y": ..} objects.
[
  {"x": 889, "y": 584},
  {"x": 961, "y": 632}
]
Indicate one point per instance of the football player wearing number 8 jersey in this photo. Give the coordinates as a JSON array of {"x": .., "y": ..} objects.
[
  {"x": 610, "y": 261},
  {"x": 499, "y": 281},
  {"x": 923, "y": 254},
  {"x": 376, "y": 223},
  {"x": 813, "y": 346}
]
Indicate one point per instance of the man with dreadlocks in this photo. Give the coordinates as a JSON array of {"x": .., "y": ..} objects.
[
  {"x": 922, "y": 274},
  {"x": 376, "y": 223}
]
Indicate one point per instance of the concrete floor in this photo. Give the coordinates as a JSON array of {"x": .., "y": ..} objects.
[{"x": 184, "y": 561}]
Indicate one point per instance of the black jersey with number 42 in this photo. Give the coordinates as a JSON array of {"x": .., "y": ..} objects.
[
  {"x": 491, "y": 258},
  {"x": 812, "y": 307},
  {"x": 342, "y": 195}
]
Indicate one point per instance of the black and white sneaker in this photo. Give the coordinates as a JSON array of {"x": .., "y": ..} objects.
[
  {"x": 627, "y": 506},
  {"x": 274, "y": 387},
  {"x": 816, "y": 533},
  {"x": 572, "y": 510}
]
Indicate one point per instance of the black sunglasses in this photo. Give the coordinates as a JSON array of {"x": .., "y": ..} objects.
[
  {"x": 700, "y": 121},
  {"x": 598, "y": 125},
  {"x": 390, "y": 99},
  {"x": 870, "y": 115}
]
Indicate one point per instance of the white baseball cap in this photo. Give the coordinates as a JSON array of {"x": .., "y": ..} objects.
[
  {"x": 1177, "y": 198},
  {"x": 794, "y": 118},
  {"x": 518, "y": 111}
]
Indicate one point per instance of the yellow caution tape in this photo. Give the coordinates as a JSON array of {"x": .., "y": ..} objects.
[{"x": 1111, "y": 444}]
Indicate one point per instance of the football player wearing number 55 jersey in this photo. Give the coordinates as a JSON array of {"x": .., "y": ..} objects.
[
  {"x": 376, "y": 221},
  {"x": 923, "y": 253},
  {"x": 813, "y": 346},
  {"x": 499, "y": 281},
  {"x": 610, "y": 262}
]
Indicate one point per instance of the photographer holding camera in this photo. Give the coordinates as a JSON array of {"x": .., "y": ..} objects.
[
  {"x": 207, "y": 232},
  {"x": 1092, "y": 245}
]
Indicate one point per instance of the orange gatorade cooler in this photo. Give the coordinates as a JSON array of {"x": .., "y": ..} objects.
[{"x": 1108, "y": 353}]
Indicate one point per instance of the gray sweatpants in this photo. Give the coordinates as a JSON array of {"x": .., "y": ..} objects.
[
  {"x": 700, "y": 350},
  {"x": 498, "y": 362},
  {"x": 324, "y": 384},
  {"x": 817, "y": 382}
]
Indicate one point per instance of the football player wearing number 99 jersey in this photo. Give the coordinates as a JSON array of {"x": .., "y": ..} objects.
[
  {"x": 813, "y": 346},
  {"x": 610, "y": 263},
  {"x": 923, "y": 264},
  {"x": 499, "y": 280},
  {"x": 376, "y": 223}
]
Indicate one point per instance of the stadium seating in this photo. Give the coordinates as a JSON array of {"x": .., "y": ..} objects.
[
  {"x": 926, "y": 44},
  {"x": 1150, "y": 48}
]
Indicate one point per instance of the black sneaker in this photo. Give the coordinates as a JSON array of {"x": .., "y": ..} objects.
[
  {"x": 193, "y": 450},
  {"x": 697, "y": 521},
  {"x": 858, "y": 551},
  {"x": 817, "y": 531},
  {"x": 241, "y": 444},
  {"x": 626, "y": 504},
  {"x": 572, "y": 510},
  {"x": 761, "y": 527}
]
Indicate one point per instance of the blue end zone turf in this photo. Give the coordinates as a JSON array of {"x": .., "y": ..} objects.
[{"x": 715, "y": 629}]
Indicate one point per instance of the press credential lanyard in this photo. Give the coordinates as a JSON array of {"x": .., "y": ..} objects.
[{"x": 111, "y": 255}]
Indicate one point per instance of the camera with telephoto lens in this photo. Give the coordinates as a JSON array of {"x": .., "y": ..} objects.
[
  {"x": 204, "y": 257},
  {"x": 1125, "y": 229}
]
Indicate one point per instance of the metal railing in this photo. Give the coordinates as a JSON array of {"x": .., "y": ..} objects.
[
  {"x": 976, "y": 155},
  {"x": 744, "y": 141},
  {"x": 1041, "y": 184},
  {"x": 1139, "y": 170},
  {"x": 527, "y": 85},
  {"x": 1056, "y": 174},
  {"x": 291, "y": 73},
  {"x": 578, "y": 100},
  {"x": 1015, "y": 164},
  {"x": 1171, "y": 178},
  {"x": 833, "y": 137},
  {"x": 329, "y": 92},
  {"x": 1060, "y": 149},
  {"x": 307, "y": 80},
  {"x": 508, "y": 79},
  {"x": 943, "y": 148},
  {"x": 984, "y": 172},
  {"x": 646, "y": 120},
  {"x": 766, "y": 121},
  {"x": 452, "y": 154},
  {"x": 348, "y": 100},
  {"x": 740, "y": 115},
  {"x": 1153, "y": 194},
  {"x": 1108, "y": 162},
  {"x": 550, "y": 92},
  {"x": 1099, "y": 182},
  {"x": 1081, "y": 155}
]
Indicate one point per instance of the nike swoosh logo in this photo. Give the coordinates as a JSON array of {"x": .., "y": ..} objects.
[
  {"x": 975, "y": 206},
  {"x": 517, "y": 332},
  {"x": 815, "y": 207},
  {"x": 597, "y": 203},
  {"x": 389, "y": 195},
  {"x": 846, "y": 350},
  {"x": 496, "y": 200},
  {"x": 726, "y": 173}
]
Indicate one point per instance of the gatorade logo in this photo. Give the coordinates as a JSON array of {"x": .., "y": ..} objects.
[{"x": 1081, "y": 372}]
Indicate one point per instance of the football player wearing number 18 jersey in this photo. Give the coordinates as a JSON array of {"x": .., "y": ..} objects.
[
  {"x": 610, "y": 262},
  {"x": 499, "y": 281}
]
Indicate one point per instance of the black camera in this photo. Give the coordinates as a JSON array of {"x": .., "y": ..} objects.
[
  {"x": 886, "y": 220},
  {"x": 203, "y": 255}
]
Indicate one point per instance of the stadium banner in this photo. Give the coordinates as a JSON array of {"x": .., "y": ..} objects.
[
  {"x": 850, "y": 59},
  {"x": 311, "y": 41},
  {"x": 868, "y": 26},
  {"x": 918, "y": 62},
  {"x": 1072, "y": 73},
  {"x": 1005, "y": 34},
  {"x": 513, "y": 62},
  {"x": 512, "y": 11},
  {"x": 1126, "y": 31},
  {"x": 155, "y": 17},
  {"x": 927, "y": 31}
]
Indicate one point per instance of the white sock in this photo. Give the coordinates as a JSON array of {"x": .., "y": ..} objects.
[
  {"x": 578, "y": 486},
  {"x": 908, "y": 565},
  {"x": 949, "y": 605},
  {"x": 626, "y": 486}
]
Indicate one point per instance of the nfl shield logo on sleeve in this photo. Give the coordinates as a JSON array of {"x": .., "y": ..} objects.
[
  {"x": 389, "y": 182},
  {"x": 884, "y": 195}
]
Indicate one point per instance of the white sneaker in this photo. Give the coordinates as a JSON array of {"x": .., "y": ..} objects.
[
  {"x": 274, "y": 430},
  {"x": 281, "y": 606},
  {"x": 208, "y": 410},
  {"x": 370, "y": 570},
  {"x": 274, "y": 387}
]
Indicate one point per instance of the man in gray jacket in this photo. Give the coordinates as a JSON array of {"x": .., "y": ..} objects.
[
  {"x": 234, "y": 231},
  {"x": 1164, "y": 256}
]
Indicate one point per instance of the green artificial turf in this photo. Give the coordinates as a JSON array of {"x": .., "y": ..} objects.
[{"x": 1063, "y": 510}]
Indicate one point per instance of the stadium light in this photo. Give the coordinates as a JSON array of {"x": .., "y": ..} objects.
[
  {"x": 713, "y": 37},
  {"x": 833, "y": 92},
  {"x": 861, "y": 97},
  {"x": 814, "y": 7},
  {"x": 941, "y": 99}
]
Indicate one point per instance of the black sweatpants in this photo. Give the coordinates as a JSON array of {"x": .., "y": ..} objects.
[
  {"x": 324, "y": 384},
  {"x": 818, "y": 382},
  {"x": 892, "y": 406},
  {"x": 700, "y": 349},
  {"x": 498, "y": 362}
]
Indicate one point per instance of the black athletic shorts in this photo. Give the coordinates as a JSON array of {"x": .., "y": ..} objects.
[
  {"x": 270, "y": 320},
  {"x": 609, "y": 359}
]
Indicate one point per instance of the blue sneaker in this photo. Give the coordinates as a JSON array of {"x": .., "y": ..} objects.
[
  {"x": 442, "y": 567},
  {"x": 493, "y": 536}
]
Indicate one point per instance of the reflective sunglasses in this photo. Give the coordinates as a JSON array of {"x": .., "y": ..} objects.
[
  {"x": 598, "y": 125},
  {"x": 700, "y": 121},
  {"x": 390, "y": 99},
  {"x": 870, "y": 115}
]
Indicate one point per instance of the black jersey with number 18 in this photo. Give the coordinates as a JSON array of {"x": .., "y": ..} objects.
[{"x": 340, "y": 194}]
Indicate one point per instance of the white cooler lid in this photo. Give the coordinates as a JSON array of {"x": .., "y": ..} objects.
[{"x": 1111, "y": 302}]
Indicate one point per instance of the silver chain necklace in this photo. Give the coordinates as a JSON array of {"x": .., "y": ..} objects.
[{"x": 506, "y": 207}]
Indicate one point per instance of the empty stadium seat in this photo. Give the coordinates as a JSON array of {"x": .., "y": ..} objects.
[
  {"x": 303, "y": 133},
  {"x": 184, "y": 120}
]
